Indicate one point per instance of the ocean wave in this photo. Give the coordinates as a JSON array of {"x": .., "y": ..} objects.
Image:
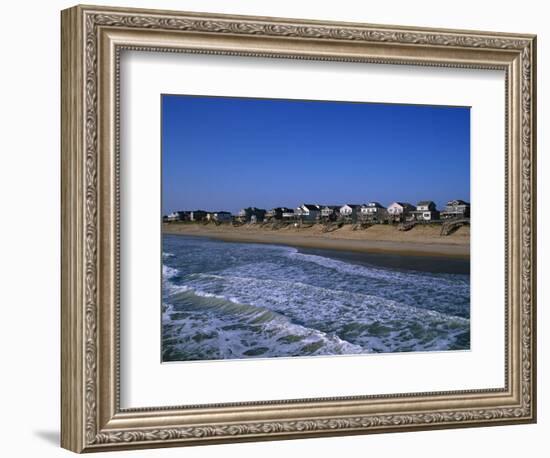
[
  {"x": 169, "y": 272},
  {"x": 367, "y": 321},
  {"x": 202, "y": 325}
]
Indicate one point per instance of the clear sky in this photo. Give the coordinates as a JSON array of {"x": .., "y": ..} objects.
[{"x": 222, "y": 153}]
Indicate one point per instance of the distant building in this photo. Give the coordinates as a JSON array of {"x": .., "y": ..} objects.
[
  {"x": 289, "y": 214},
  {"x": 350, "y": 210},
  {"x": 197, "y": 215},
  {"x": 277, "y": 213},
  {"x": 177, "y": 216},
  {"x": 330, "y": 212},
  {"x": 400, "y": 210},
  {"x": 373, "y": 211},
  {"x": 220, "y": 216},
  {"x": 426, "y": 211},
  {"x": 456, "y": 209},
  {"x": 251, "y": 215},
  {"x": 308, "y": 212}
]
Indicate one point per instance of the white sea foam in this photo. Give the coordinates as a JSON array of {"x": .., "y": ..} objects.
[{"x": 169, "y": 272}]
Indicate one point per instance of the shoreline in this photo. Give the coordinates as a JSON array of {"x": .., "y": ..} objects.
[{"x": 305, "y": 238}]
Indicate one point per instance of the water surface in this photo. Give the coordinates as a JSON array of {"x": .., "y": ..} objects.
[{"x": 225, "y": 300}]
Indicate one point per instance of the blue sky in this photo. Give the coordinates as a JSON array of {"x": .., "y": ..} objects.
[{"x": 222, "y": 153}]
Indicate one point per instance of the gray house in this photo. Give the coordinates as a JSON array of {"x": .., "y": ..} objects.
[
  {"x": 289, "y": 214},
  {"x": 197, "y": 215},
  {"x": 251, "y": 215},
  {"x": 330, "y": 212},
  {"x": 373, "y": 211},
  {"x": 277, "y": 213},
  {"x": 220, "y": 217},
  {"x": 456, "y": 209},
  {"x": 308, "y": 212}
]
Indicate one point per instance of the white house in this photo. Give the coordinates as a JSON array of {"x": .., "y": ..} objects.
[
  {"x": 178, "y": 216},
  {"x": 309, "y": 212},
  {"x": 349, "y": 210},
  {"x": 426, "y": 211},
  {"x": 398, "y": 209}
]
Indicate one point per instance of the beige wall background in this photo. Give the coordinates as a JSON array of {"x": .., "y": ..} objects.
[{"x": 29, "y": 226}]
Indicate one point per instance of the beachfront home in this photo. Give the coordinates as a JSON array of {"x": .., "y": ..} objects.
[
  {"x": 197, "y": 215},
  {"x": 289, "y": 215},
  {"x": 308, "y": 212},
  {"x": 400, "y": 210},
  {"x": 426, "y": 211},
  {"x": 373, "y": 211},
  {"x": 177, "y": 216},
  {"x": 220, "y": 217},
  {"x": 456, "y": 209},
  {"x": 350, "y": 211},
  {"x": 251, "y": 215},
  {"x": 330, "y": 212},
  {"x": 277, "y": 213}
]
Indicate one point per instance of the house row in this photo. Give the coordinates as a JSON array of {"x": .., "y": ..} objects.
[
  {"x": 373, "y": 211},
  {"x": 199, "y": 215}
]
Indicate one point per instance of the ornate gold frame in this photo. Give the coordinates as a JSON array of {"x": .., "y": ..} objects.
[{"x": 92, "y": 38}]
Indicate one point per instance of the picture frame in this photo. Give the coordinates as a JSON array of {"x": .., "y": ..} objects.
[{"x": 93, "y": 39}]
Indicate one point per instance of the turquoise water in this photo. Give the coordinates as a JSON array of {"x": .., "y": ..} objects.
[{"x": 239, "y": 300}]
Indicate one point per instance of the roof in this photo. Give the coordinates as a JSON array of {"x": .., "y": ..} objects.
[
  {"x": 375, "y": 204},
  {"x": 332, "y": 207},
  {"x": 403, "y": 204},
  {"x": 425, "y": 202},
  {"x": 458, "y": 202},
  {"x": 222, "y": 213},
  {"x": 351, "y": 205},
  {"x": 283, "y": 209},
  {"x": 310, "y": 206}
]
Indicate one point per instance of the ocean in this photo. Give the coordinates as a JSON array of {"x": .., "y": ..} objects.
[{"x": 224, "y": 300}]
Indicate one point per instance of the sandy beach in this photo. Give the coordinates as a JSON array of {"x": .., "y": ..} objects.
[{"x": 420, "y": 240}]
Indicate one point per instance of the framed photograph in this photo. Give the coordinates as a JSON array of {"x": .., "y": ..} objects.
[{"x": 278, "y": 228}]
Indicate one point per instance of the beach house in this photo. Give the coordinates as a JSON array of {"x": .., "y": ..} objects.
[
  {"x": 221, "y": 216},
  {"x": 426, "y": 211},
  {"x": 308, "y": 212},
  {"x": 330, "y": 212},
  {"x": 350, "y": 211},
  {"x": 177, "y": 216},
  {"x": 289, "y": 215},
  {"x": 456, "y": 209},
  {"x": 251, "y": 215},
  {"x": 372, "y": 211},
  {"x": 277, "y": 213},
  {"x": 197, "y": 215},
  {"x": 400, "y": 210}
]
